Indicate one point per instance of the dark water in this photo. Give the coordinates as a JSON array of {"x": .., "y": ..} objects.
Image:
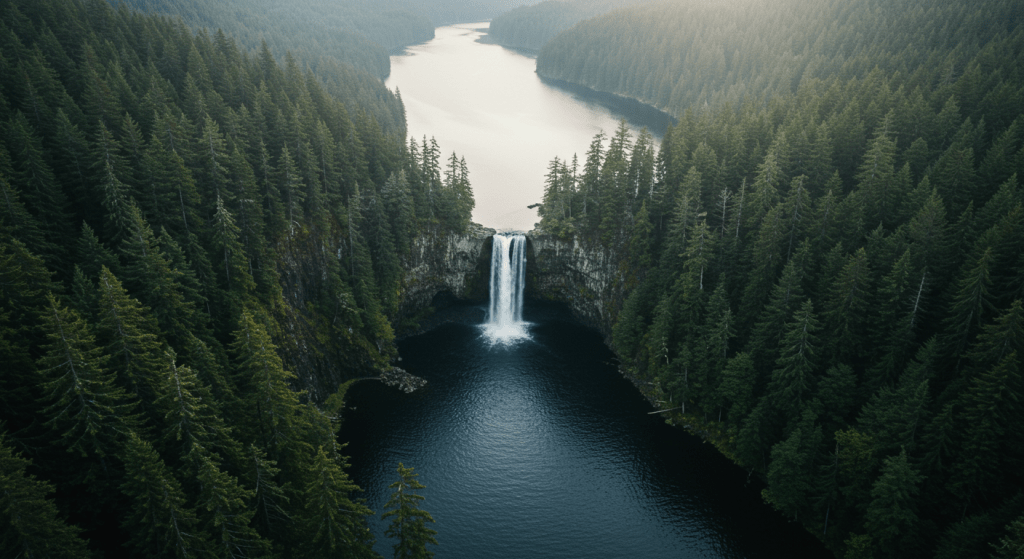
[
  {"x": 488, "y": 104},
  {"x": 542, "y": 450}
]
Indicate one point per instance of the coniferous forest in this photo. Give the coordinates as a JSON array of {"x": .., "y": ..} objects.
[
  {"x": 530, "y": 27},
  {"x": 822, "y": 269},
  {"x": 184, "y": 226}
]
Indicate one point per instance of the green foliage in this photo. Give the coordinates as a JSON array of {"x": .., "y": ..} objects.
[
  {"x": 891, "y": 516},
  {"x": 530, "y": 27},
  {"x": 161, "y": 523},
  {"x": 842, "y": 153},
  {"x": 32, "y": 526},
  {"x": 164, "y": 193},
  {"x": 332, "y": 522},
  {"x": 408, "y": 521},
  {"x": 84, "y": 408}
]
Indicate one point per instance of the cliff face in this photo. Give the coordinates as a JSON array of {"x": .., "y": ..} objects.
[
  {"x": 444, "y": 267},
  {"x": 584, "y": 277}
]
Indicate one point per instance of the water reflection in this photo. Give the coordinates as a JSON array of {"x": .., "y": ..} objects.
[
  {"x": 488, "y": 104},
  {"x": 542, "y": 450}
]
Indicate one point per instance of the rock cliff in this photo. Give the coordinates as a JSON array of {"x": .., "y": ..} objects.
[
  {"x": 583, "y": 277},
  {"x": 446, "y": 267}
]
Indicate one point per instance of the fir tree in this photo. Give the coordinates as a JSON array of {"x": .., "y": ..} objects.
[
  {"x": 891, "y": 516},
  {"x": 32, "y": 526},
  {"x": 334, "y": 524},
  {"x": 129, "y": 335},
  {"x": 85, "y": 409},
  {"x": 408, "y": 521},
  {"x": 161, "y": 523}
]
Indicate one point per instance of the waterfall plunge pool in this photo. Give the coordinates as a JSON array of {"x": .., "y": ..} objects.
[{"x": 540, "y": 449}]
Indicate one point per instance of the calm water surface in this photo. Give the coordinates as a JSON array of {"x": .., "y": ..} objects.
[
  {"x": 486, "y": 103},
  {"x": 541, "y": 450}
]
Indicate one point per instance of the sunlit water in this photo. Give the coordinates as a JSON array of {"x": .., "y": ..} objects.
[
  {"x": 541, "y": 450},
  {"x": 486, "y": 103}
]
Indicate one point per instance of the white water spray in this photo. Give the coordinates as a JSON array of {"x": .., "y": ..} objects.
[{"x": 508, "y": 279}]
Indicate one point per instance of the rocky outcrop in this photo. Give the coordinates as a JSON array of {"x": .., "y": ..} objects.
[
  {"x": 446, "y": 267},
  {"x": 582, "y": 276}
]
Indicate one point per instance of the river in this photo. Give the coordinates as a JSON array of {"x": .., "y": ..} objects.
[
  {"x": 529, "y": 442},
  {"x": 487, "y": 104}
]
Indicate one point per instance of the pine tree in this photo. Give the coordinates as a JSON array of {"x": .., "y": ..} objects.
[
  {"x": 289, "y": 184},
  {"x": 237, "y": 281},
  {"x": 891, "y": 516},
  {"x": 972, "y": 303},
  {"x": 877, "y": 176},
  {"x": 92, "y": 255},
  {"x": 269, "y": 499},
  {"x": 14, "y": 217},
  {"x": 158, "y": 283},
  {"x": 791, "y": 473},
  {"x": 408, "y": 521},
  {"x": 192, "y": 426},
  {"x": 991, "y": 410},
  {"x": 794, "y": 375},
  {"x": 334, "y": 524},
  {"x": 847, "y": 308},
  {"x": 223, "y": 509},
  {"x": 129, "y": 335},
  {"x": 87, "y": 412},
  {"x": 173, "y": 199},
  {"x": 30, "y": 524},
  {"x": 212, "y": 177},
  {"x": 109, "y": 167},
  {"x": 161, "y": 523},
  {"x": 272, "y": 404},
  {"x": 37, "y": 184}
]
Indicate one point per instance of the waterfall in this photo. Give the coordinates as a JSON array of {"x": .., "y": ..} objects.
[{"x": 508, "y": 279}]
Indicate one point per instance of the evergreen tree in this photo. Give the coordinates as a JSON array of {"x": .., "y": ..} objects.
[
  {"x": 161, "y": 524},
  {"x": 408, "y": 521},
  {"x": 794, "y": 375},
  {"x": 32, "y": 526},
  {"x": 272, "y": 404},
  {"x": 333, "y": 522},
  {"x": 129, "y": 335},
  {"x": 891, "y": 516},
  {"x": 85, "y": 409}
]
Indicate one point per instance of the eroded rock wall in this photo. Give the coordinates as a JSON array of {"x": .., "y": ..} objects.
[
  {"x": 453, "y": 266},
  {"x": 583, "y": 277}
]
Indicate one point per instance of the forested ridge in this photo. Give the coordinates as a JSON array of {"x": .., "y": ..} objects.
[
  {"x": 530, "y": 27},
  {"x": 344, "y": 43},
  {"x": 823, "y": 273},
  {"x": 682, "y": 53},
  {"x": 183, "y": 228},
  {"x": 328, "y": 35},
  {"x": 317, "y": 32}
]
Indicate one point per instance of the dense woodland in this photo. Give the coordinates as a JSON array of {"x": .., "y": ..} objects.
[
  {"x": 317, "y": 32},
  {"x": 681, "y": 54},
  {"x": 823, "y": 266},
  {"x": 345, "y": 43},
  {"x": 530, "y": 27},
  {"x": 183, "y": 227},
  {"x": 325, "y": 33}
]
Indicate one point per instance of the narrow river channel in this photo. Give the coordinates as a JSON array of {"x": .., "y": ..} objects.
[{"x": 487, "y": 103}]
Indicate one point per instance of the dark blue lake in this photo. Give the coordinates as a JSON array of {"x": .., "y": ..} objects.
[{"x": 542, "y": 450}]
